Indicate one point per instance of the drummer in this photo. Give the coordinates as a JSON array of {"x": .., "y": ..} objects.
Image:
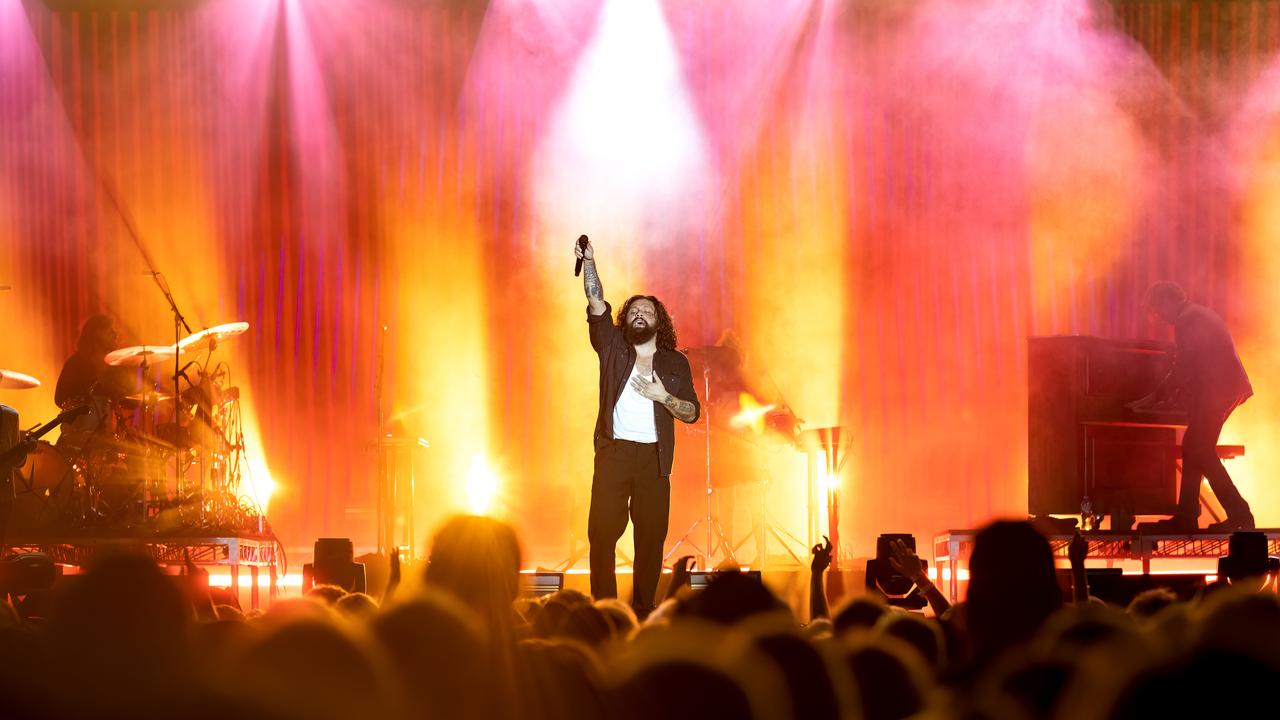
[{"x": 86, "y": 367}]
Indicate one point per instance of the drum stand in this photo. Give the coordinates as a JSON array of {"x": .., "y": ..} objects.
[{"x": 716, "y": 540}]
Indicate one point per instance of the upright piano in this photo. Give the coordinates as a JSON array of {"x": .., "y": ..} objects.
[{"x": 1083, "y": 441}]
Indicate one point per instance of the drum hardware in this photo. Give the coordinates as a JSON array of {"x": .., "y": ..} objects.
[
  {"x": 46, "y": 472},
  {"x": 14, "y": 380},
  {"x": 140, "y": 355},
  {"x": 716, "y": 539},
  {"x": 733, "y": 415},
  {"x": 142, "y": 453}
]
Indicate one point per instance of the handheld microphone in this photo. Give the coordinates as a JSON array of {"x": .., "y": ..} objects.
[{"x": 577, "y": 266}]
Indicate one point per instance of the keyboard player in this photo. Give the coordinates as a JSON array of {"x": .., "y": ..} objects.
[{"x": 1209, "y": 380}]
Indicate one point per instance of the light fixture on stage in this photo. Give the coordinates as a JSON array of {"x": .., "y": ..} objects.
[
  {"x": 896, "y": 588},
  {"x": 25, "y": 580},
  {"x": 1247, "y": 556},
  {"x": 700, "y": 579},
  {"x": 540, "y": 583},
  {"x": 334, "y": 565},
  {"x": 26, "y": 572}
]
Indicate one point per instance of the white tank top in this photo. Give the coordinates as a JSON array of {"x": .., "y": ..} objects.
[{"x": 633, "y": 416}]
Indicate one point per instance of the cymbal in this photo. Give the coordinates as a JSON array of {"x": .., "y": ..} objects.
[
  {"x": 14, "y": 380},
  {"x": 152, "y": 397},
  {"x": 712, "y": 354},
  {"x": 139, "y": 354},
  {"x": 214, "y": 335}
]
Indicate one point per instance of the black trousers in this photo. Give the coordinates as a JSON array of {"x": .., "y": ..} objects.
[
  {"x": 1200, "y": 459},
  {"x": 627, "y": 483}
]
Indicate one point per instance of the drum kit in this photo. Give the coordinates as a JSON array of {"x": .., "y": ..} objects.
[
  {"x": 146, "y": 450},
  {"x": 733, "y": 432}
]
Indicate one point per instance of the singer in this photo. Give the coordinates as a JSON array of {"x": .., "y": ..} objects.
[{"x": 645, "y": 383}]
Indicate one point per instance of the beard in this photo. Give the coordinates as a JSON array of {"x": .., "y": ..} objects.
[{"x": 639, "y": 335}]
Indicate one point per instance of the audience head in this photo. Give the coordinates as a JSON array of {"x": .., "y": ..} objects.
[
  {"x": 314, "y": 669},
  {"x": 478, "y": 560},
  {"x": 860, "y": 613},
  {"x": 1013, "y": 587},
  {"x": 917, "y": 632},
  {"x": 118, "y": 633},
  {"x": 890, "y": 678},
  {"x": 621, "y": 617},
  {"x": 326, "y": 594},
  {"x": 690, "y": 670},
  {"x": 357, "y": 606},
  {"x": 818, "y": 685},
  {"x": 1149, "y": 603},
  {"x": 438, "y": 648},
  {"x": 559, "y": 679},
  {"x": 732, "y": 597}
]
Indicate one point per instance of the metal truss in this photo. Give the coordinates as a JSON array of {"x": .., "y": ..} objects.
[{"x": 232, "y": 550}]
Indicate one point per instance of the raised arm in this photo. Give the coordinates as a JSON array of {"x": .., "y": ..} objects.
[{"x": 591, "y": 279}]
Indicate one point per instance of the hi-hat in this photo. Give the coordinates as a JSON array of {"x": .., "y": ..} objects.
[
  {"x": 14, "y": 380},
  {"x": 214, "y": 335},
  {"x": 149, "y": 397},
  {"x": 140, "y": 354}
]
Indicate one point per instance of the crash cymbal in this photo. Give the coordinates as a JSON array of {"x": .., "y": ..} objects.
[
  {"x": 139, "y": 354},
  {"x": 14, "y": 380},
  {"x": 214, "y": 335}
]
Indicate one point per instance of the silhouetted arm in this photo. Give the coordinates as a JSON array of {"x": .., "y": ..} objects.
[
  {"x": 679, "y": 575},
  {"x": 393, "y": 581},
  {"x": 905, "y": 562},
  {"x": 818, "y": 607}
]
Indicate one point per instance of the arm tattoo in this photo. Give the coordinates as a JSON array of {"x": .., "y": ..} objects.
[
  {"x": 591, "y": 281},
  {"x": 681, "y": 409}
]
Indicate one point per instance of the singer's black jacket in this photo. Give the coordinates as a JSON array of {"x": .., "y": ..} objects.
[{"x": 617, "y": 356}]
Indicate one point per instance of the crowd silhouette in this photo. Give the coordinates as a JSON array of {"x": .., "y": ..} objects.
[{"x": 126, "y": 640}]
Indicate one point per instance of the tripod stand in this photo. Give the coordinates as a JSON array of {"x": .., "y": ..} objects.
[
  {"x": 716, "y": 539},
  {"x": 578, "y": 548},
  {"x": 767, "y": 528}
]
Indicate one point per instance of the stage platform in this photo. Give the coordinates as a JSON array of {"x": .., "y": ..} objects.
[
  {"x": 951, "y": 550},
  {"x": 232, "y": 551}
]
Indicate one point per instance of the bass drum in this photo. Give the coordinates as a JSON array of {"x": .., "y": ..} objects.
[{"x": 49, "y": 491}]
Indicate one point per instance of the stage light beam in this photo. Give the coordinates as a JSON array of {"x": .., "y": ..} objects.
[{"x": 626, "y": 150}]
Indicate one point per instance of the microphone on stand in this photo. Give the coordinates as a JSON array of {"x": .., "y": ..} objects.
[{"x": 577, "y": 266}]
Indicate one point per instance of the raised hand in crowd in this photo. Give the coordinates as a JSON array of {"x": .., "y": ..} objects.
[
  {"x": 679, "y": 574},
  {"x": 818, "y": 607},
  {"x": 821, "y": 556},
  {"x": 905, "y": 562},
  {"x": 393, "y": 579}
]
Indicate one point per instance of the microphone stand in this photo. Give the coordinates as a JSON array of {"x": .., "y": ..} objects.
[{"x": 179, "y": 323}]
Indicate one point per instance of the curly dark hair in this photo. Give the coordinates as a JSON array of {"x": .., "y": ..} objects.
[{"x": 666, "y": 329}]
